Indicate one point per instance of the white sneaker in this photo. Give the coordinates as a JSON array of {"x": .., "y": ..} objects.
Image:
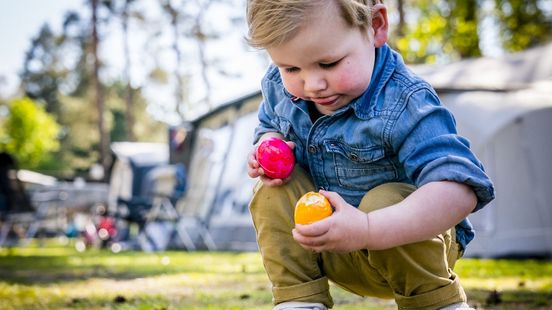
[
  {"x": 298, "y": 305},
  {"x": 458, "y": 306}
]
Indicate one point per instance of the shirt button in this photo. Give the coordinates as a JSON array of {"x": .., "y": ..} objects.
[{"x": 312, "y": 148}]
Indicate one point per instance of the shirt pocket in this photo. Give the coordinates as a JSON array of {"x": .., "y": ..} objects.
[{"x": 360, "y": 168}]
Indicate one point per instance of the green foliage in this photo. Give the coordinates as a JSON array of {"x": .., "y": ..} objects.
[
  {"x": 43, "y": 70},
  {"x": 462, "y": 30},
  {"x": 29, "y": 132},
  {"x": 79, "y": 140},
  {"x": 440, "y": 29},
  {"x": 145, "y": 128},
  {"x": 422, "y": 41},
  {"x": 57, "y": 71},
  {"x": 448, "y": 30},
  {"x": 522, "y": 24}
]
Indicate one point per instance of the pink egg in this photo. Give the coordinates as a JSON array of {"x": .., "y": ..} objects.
[{"x": 276, "y": 158}]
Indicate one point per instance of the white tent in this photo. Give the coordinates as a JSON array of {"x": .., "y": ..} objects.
[
  {"x": 127, "y": 154},
  {"x": 219, "y": 189},
  {"x": 504, "y": 107}
]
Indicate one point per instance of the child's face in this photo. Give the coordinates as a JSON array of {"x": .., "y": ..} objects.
[{"x": 328, "y": 62}]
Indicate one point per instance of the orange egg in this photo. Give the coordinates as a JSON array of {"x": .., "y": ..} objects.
[{"x": 312, "y": 207}]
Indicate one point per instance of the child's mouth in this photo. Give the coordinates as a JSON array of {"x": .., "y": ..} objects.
[{"x": 326, "y": 100}]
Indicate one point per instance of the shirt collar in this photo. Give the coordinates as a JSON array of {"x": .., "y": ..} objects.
[{"x": 384, "y": 66}]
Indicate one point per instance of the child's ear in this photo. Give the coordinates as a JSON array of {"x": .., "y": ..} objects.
[{"x": 380, "y": 24}]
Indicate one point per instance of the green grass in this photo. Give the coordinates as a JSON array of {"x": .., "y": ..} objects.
[{"x": 58, "y": 277}]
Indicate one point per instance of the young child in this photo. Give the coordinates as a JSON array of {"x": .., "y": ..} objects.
[{"x": 376, "y": 141}]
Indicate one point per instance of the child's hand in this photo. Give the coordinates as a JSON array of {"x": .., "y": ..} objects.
[
  {"x": 254, "y": 170},
  {"x": 344, "y": 231}
]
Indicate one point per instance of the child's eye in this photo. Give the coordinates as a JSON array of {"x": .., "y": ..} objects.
[
  {"x": 292, "y": 69},
  {"x": 328, "y": 65}
]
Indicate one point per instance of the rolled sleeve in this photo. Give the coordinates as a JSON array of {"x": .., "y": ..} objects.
[
  {"x": 266, "y": 113},
  {"x": 430, "y": 149},
  {"x": 461, "y": 170}
]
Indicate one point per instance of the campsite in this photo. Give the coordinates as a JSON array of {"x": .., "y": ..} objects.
[
  {"x": 211, "y": 222},
  {"x": 125, "y": 129},
  {"x": 506, "y": 117}
]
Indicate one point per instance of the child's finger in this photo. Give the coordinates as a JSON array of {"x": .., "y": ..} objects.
[
  {"x": 313, "y": 243},
  {"x": 270, "y": 182},
  {"x": 252, "y": 173},
  {"x": 314, "y": 229},
  {"x": 335, "y": 199},
  {"x": 291, "y": 144},
  {"x": 252, "y": 160}
]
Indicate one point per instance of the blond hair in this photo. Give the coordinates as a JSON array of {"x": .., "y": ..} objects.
[{"x": 273, "y": 22}]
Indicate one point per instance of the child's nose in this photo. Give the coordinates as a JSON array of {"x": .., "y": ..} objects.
[{"x": 314, "y": 83}]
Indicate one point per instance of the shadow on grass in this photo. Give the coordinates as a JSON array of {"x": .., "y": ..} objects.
[
  {"x": 48, "y": 269},
  {"x": 509, "y": 299},
  {"x": 220, "y": 280}
]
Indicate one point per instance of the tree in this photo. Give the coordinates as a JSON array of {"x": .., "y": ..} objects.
[
  {"x": 98, "y": 88},
  {"x": 145, "y": 128},
  {"x": 123, "y": 10},
  {"x": 402, "y": 19},
  {"x": 129, "y": 92},
  {"x": 76, "y": 37},
  {"x": 447, "y": 30},
  {"x": 174, "y": 18},
  {"x": 462, "y": 28},
  {"x": 192, "y": 30},
  {"x": 201, "y": 36},
  {"x": 76, "y": 110},
  {"x": 523, "y": 24},
  {"x": 29, "y": 133},
  {"x": 43, "y": 70},
  {"x": 439, "y": 29}
]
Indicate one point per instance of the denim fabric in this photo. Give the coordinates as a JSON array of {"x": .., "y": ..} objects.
[{"x": 397, "y": 131}]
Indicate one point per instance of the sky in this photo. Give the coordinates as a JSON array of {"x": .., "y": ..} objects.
[{"x": 20, "y": 21}]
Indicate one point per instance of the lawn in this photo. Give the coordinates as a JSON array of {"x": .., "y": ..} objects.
[{"x": 58, "y": 277}]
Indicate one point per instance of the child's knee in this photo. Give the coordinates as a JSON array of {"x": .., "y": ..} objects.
[
  {"x": 385, "y": 195},
  {"x": 299, "y": 181},
  {"x": 285, "y": 195}
]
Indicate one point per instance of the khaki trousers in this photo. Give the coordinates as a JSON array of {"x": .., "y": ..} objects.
[{"x": 417, "y": 275}]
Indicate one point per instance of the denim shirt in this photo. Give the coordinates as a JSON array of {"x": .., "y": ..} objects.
[{"x": 396, "y": 131}]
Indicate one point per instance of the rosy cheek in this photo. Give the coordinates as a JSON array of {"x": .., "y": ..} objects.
[
  {"x": 293, "y": 86},
  {"x": 344, "y": 82},
  {"x": 352, "y": 81}
]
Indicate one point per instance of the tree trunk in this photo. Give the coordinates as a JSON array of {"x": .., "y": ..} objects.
[
  {"x": 402, "y": 20},
  {"x": 179, "y": 91},
  {"x": 98, "y": 91},
  {"x": 200, "y": 37},
  {"x": 129, "y": 96}
]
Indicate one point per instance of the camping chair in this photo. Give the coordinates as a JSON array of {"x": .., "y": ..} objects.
[
  {"x": 169, "y": 187},
  {"x": 24, "y": 213},
  {"x": 44, "y": 213},
  {"x": 153, "y": 209}
]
